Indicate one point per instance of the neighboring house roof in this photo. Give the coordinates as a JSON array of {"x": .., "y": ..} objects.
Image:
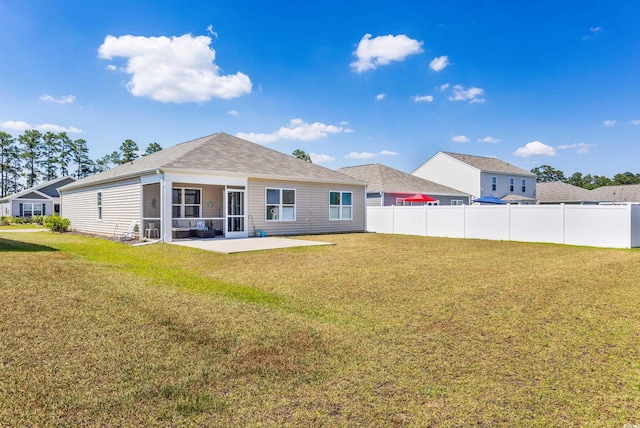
[
  {"x": 381, "y": 178},
  {"x": 46, "y": 190},
  {"x": 559, "y": 192},
  {"x": 618, "y": 193},
  {"x": 223, "y": 154},
  {"x": 517, "y": 198},
  {"x": 487, "y": 164}
]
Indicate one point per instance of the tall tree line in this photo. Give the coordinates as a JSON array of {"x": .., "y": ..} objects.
[
  {"x": 546, "y": 173},
  {"x": 34, "y": 157}
]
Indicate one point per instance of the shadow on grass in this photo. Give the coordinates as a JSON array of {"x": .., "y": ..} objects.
[{"x": 22, "y": 247}]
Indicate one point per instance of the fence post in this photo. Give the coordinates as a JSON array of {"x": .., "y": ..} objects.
[{"x": 564, "y": 223}]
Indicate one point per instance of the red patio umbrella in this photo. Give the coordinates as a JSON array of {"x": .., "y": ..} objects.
[{"x": 419, "y": 197}]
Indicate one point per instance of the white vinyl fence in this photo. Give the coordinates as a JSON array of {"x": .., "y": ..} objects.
[{"x": 609, "y": 226}]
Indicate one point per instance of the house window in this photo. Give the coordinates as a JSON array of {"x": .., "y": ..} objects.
[
  {"x": 99, "y": 205},
  {"x": 186, "y": 202},
  {"x": 494, "y": 183},
  {"x": 281, "y": 205},
  {"x": 29, "y": 210},
  {"x": 457, "y": 202},
  {"x": 512, "y": 184},
  {"x": 340, "y": 206},
  {"x": 524, "y": 185}
]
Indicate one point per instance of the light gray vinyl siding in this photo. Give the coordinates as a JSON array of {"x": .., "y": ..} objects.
[
  {"x": 312, "y": 208},
  {"x": 503, "y": 186},
  {"x": 121, "y": 204},
  {"x": 15, "y": 205},
  {"x": 444, "y": 169},
  {"x": 374, "y": 199},
  {"x": 5, "y": 209}
]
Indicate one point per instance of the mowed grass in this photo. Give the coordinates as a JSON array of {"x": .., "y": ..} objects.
[{"x": 377, "y": 330}]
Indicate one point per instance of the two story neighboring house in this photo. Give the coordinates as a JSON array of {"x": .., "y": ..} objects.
[{"x": 480, "y": 176}]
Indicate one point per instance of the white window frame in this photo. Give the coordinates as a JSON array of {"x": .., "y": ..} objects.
[
  {"x": 457, "y": 202},
  {"x": 99, "y": 204},
  {"x": 280, "y": 207},
  {"x": 182, "y": 203},
  {"x": 512, "y": 184},
  {"x": 341, "y": 207},
  {"x": 32, "y": 210},
  {"x": 494, "y": 183},
  {"x": 524, "y": 185}
]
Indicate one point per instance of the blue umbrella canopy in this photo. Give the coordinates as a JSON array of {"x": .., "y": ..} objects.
[{"x": 490, "y": 200}]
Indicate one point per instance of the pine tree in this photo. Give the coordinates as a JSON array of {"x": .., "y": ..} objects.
[
  {"x": 65, "y": 149},
  {"x": 50, "y": 150},
  {"x": 80, "y": 155},
  {"x": 31, "y": 154},
  {"x": 152, "y": 148},
  {"x": 7, "y": 142},
  {"x": 129, "y": 150}
]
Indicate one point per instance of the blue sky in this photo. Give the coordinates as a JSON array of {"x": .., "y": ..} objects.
[{"x": 548, "y": 82}]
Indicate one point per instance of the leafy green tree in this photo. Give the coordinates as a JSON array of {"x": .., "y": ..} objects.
[
  {"x": 546, "y": 173},
  {"x": 105, "y": 162},
  {"x": 626, "y": 178},
  {"x": 577, "y": 179},
  {"x": 80, "y": 155},
  {"x": 301, "y": 154},
  {"x": 600, "y": 180},
  {"x": 65, "y": 148},
  {"x": 7, "y": 142},
  {"x": 152, "y": 148},
  {"x": 31, "y": 154},
  {"x": 129, "y": 150},
  {"x": 50, "y": 150}
]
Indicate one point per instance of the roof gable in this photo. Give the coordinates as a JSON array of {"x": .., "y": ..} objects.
[
  {"x": 221, "y": 153},
  {"x": 381, "y": 178},
  {"x": 487, "y": 164},
  {"x": 46, "y": 190}
]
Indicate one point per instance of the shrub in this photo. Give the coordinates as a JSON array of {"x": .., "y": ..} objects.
[
  {"x": 38, "y": 219},
  {"x": 5, "y": 220},
  {"x": 57, "y": 223}
]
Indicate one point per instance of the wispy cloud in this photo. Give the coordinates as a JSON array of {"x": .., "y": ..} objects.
[
  {"x": 233, "y": 112},
  {"x": 297, "y": 129},
  {"x": 67, "y": 99},
  {"x": 423, "y": 99},
  {"x": 534, "y": 148},
  {"x": 382, "y": 50},
  {"x": 19, "y": 125},
  {"x": 320, "y": 158},
  {"x": 635, "y": 122},
  {"x": 581, "y": 148},
  {"x": 593, "y": 32},
  {"x": 443, "y": 87},
  {"x": 370, "y": 155},
  {"x": 381, "y": 97},
  {"x": 459, "y": 139},
  {"x": 610, "y": 122},
  {"x": 439, "y": 63},
  {"x": 388, "y": 153},
  {"x": 472, "y": 94},
  {"x": 210, "y": 31},
  {"x": 489, "y": 139},
  {"x": 173, "y": 69}
]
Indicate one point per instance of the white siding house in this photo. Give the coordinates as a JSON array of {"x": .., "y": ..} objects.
[
  {"x": 480, "y": 176},
  {"x": 232, "y": 186}
]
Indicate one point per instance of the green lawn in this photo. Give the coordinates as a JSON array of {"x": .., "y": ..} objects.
[
  {"x": 378, "y": 330},
  {"x": 19, "y": 226}
]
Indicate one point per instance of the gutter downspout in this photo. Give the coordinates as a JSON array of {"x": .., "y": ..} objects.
[{"x": 162, "y": 207}]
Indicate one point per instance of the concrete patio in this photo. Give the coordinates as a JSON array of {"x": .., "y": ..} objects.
[{"x": 241, "y": 245}]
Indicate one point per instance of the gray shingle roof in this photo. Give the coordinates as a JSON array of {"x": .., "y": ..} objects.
[
  {"x": 489, "y": 164},
  {"x": 559, "y": 192},
  {"x": 618, "y": 193},
  {"x": 382, "y": 178},
  {"x": 48, "y": 188},
  {"x": 221, "y": 153}
]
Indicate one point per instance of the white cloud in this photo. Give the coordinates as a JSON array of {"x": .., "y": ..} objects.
[
  {"x": 489, "y": 139},
  {"x": 439, "y": 63},
  {"x": 635, "y": 122},
  {"x": 388, "y": 153},
  {"x": 297, "y": 129},
  {"x": 443, "y": 87},
  {"x": 18, "y": 125},
  {"x": 382, "y": 50},
  {"x": 459, "y": 139},
  {"x": 535, "y": 148},
  {"x": 422, "y": 99},
  {"x": 233, "y": 112},
  {"x": 361, "y": 155},
  {"x": 320, "y": 158},
  {"x": 177, "y": 69},
  {"x": 67, "y": 99},
  {"x": 381, "y": 97},
  {"x": 610, "y": 122},
  {"x": 471, "y": 94},
  {"x": 582, "y": 148}
]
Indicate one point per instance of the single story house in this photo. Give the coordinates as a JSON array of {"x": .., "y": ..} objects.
[
  {"x": 388, "y": 186},
  {"x": 480, "y": 176},
  {"x": 224, "y": 182},
  {"x": 42, "y": 199},
  {"x": 559, "y": 192},
  {"x": 618, "y": 194}
]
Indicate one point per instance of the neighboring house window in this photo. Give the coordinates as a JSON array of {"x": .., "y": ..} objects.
[
  {"x": 29, "y": 210},
  {"x": 399, "y": 202},
  {"x": 494, "y": 183},
  {"x": 340, "y": 206},
  {"x": 457, "y": 202},
  {"x": 99, "y": 205},
  {"x": 186, "y": 202},
  {"x": 512, "y": 184},
  {"x": 281, "y": 204},
  {"x": 524, "y": 185}
]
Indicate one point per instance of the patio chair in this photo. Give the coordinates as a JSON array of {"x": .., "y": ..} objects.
[
  {"x": 131, "y": 233},
  {"x": 151, "y": 230}
]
